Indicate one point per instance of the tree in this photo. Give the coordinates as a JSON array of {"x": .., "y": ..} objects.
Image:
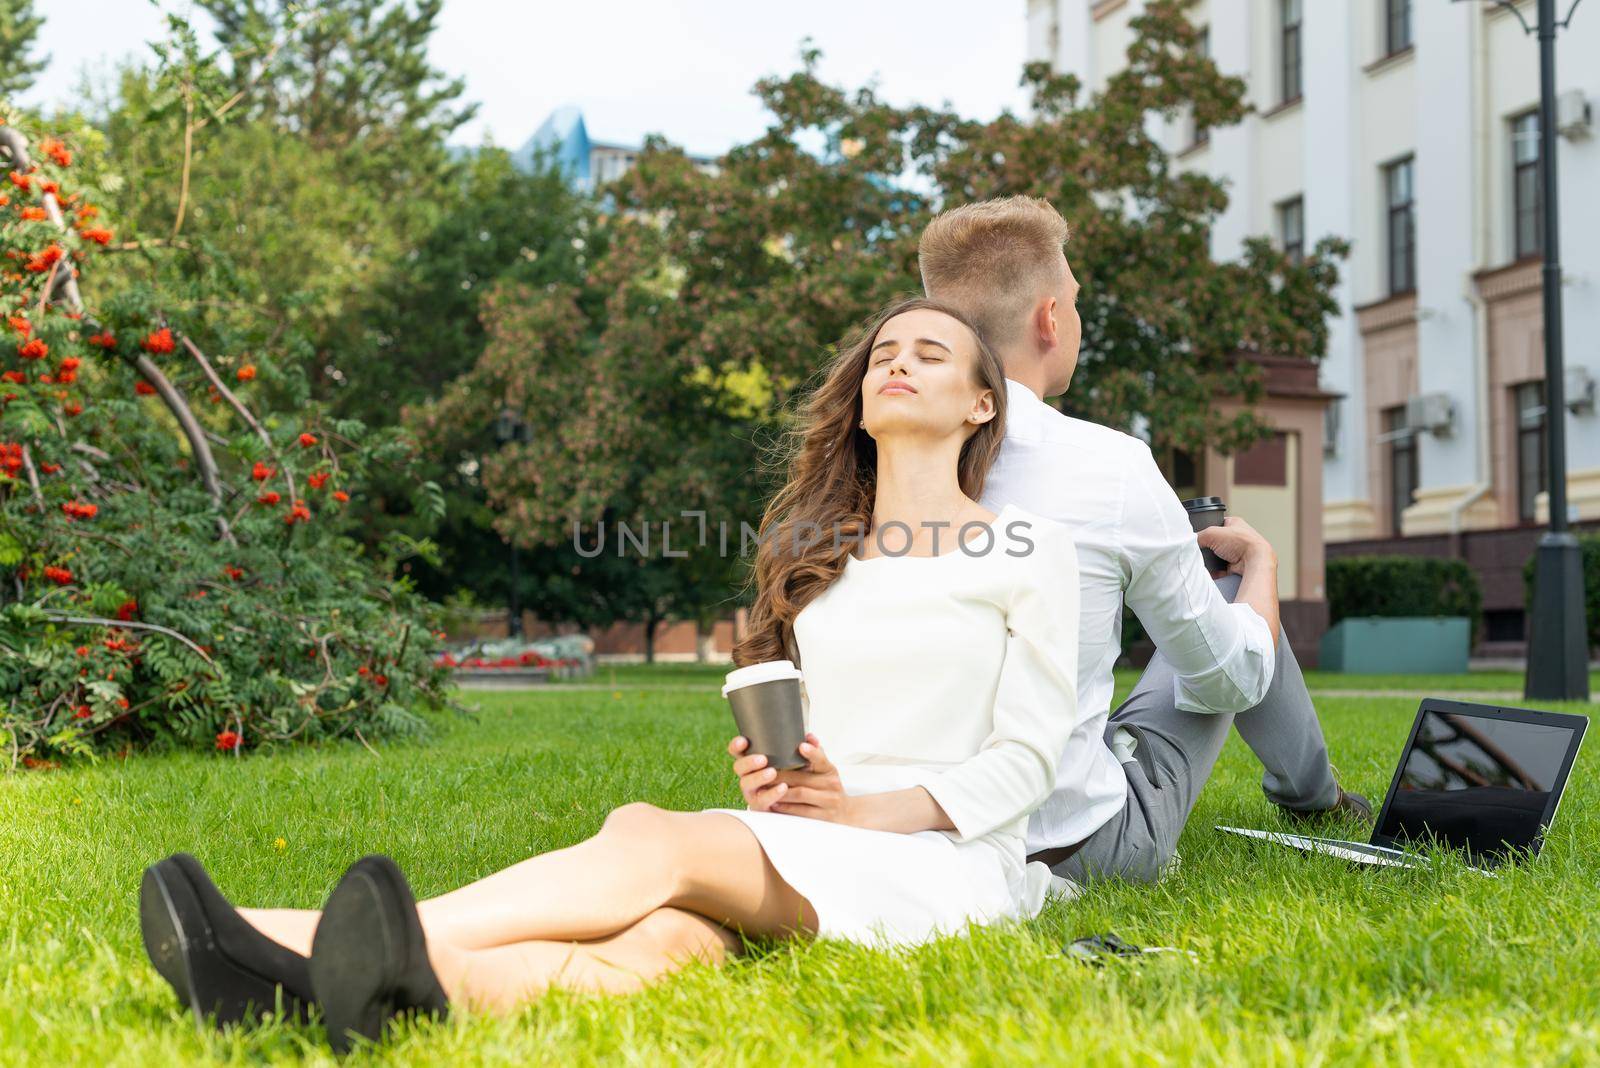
[
  {"x": 652, "y": 445},
  {"x": 313, "y": 163},
  {"x": 785, "y": 246},
  {"x": 720, "y": 294},
  {"x": 348, "y": 75},
  {"x": 422, "y": 321},
  {"x": 167, "y": 571},
  {"x": 19, "y": 29},
  {"x": 421, "y": 330},
  {"x": 362, "y": 275}
]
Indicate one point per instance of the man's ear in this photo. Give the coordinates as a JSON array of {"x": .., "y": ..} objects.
[{"x": 1046, "y": 330}]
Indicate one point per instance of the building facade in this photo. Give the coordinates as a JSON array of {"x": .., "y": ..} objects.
[{"x": 1409, "y": 128}]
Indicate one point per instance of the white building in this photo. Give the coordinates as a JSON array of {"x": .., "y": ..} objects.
[{"x": 1408, "y": 127}]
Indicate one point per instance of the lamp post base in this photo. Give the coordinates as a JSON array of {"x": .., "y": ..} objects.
[{"x": 1558, "y": 641}]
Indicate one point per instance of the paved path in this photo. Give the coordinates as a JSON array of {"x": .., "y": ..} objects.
[
  {"x": 570, "y": 687},
  {"x": 1479, "y": 696}
]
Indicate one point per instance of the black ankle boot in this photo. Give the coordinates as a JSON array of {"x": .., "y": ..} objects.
[
  {"x": 369, "y": 960},
  {"x": 216, "y": 962}
]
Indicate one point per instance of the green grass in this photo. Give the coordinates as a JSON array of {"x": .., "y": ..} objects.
[
  {"x": 1300, "y": 959},
  {"x": 1496, "y": 681}
]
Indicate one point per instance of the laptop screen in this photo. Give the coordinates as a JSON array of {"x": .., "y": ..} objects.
[{"x": 1476, "y": 781}]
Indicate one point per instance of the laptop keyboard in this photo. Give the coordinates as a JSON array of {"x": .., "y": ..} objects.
[{"x": 1362, "y": 852}]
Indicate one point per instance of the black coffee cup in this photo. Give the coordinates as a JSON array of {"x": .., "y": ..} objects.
[
  {"x": 765, "y": 699},
  {"x": 1207, "y": 512}
]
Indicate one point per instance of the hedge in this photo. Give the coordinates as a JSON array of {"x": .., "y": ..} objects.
[{"x": 1402, "y": 586}]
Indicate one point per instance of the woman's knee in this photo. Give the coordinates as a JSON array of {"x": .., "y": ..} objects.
[
  {"x": 637, "y": 819},
  {"x": 679, "y": 933},
  {"x": 652, "y": 835},
  {"x": 631, "y": 816}
]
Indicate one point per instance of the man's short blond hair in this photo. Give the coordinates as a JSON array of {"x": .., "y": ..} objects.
[{"x": 993, "y": 260}]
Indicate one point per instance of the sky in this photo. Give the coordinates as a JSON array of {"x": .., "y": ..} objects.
[{"x": 682, "y": 68}]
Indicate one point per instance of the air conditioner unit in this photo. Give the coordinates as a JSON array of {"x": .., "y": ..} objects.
[
  {"x": 1579, "y": 387},
  {"x": 1432, "y": 413},
  {"x": 1574, "y": 117}
]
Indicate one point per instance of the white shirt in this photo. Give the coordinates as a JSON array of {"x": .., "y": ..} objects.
[
  {"x": 1134, "y": 542},
  {"x": 956, "y": 672}
]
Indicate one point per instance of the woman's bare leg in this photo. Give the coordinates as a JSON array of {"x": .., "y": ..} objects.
[
  {"x": 504, "y": 978},
  {"x": 290, "y": 928},
  {"x": 643, "y": 859},
  {"x": 501, "y": 978}
]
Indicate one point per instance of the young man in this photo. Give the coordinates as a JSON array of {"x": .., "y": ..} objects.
[{"x": 1129, "y": 780}]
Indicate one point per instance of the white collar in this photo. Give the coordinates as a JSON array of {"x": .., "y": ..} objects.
[{"x": 1022, "y": 407}]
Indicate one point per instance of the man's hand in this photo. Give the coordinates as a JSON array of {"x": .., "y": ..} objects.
[
  {"x": 814, "y": 791},
  {"x": 1240, "y": 545},
  {"x": 1249, "y": 555}
]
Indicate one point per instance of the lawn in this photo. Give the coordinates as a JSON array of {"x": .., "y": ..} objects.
[{"x": 1298, "y": 959}]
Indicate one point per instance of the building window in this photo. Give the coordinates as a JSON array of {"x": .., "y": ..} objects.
[
  {"x": 1402, "y": 227},
  {"x": 1525, "y": 185},
  {"x": 1396, "y": 26},
  {"x": 1292, "y": 228},
  {"x": 1202, "y": 48},
  {"x": 1288, "y": 51},
  {"x": 1505, "y": 625},
  {"x": 1529, "y": 401},
  {"x": 1266, "y": 463},
  {"x": 1403, "y": 472}
]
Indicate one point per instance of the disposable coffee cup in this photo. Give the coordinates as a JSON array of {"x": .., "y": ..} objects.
[
  {"x": 765, "y": 699},
  {"x": 1207, "y": 512}
]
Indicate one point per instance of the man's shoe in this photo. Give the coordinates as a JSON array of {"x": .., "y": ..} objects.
[
  {"x": 215, "y": 961},
  {"x": 369, "y": 960},
  {"x": 1349, "y": 808}
]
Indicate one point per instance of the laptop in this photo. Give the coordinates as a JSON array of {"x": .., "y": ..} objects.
[{"x": 1482, "y": 779}]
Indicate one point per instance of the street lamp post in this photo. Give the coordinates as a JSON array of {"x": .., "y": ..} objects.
[
  {"x": 509, "y": 427},
  {"x": 1558, "y": 644}
]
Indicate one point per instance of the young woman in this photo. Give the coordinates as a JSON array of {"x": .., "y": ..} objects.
[{"x": 938, "y": 643}]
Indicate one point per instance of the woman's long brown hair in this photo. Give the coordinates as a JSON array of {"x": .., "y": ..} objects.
[{"x": 832, "y": 481}]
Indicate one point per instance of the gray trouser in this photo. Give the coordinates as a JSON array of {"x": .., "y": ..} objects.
[{"x": 1176, "y": 751}]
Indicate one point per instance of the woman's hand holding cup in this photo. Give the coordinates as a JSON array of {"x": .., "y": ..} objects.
[{"x": 814, "y": 791}]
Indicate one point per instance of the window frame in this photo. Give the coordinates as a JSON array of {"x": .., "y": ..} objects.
[
  {"x": 1201, "y": 134},
  {"x": 1397, "y": 11},
  {"x": 1400, "y": 220},
  {"x": 1526, "y": 244},
  {"x": 1291, "y": 56},
  {"x": 1296, "y": 250},
  {"x": 1528, "y": 495},
  {"x": 1402, "y": 447}
]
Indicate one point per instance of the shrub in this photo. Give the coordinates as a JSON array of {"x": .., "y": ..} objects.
[
  {"x": 169, "y": 571},
  {"x": 1589, "y": 544},
  {"x": 1402, "y": 586}
]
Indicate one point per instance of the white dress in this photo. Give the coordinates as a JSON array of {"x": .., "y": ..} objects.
[{"x": 957, "y": 673}]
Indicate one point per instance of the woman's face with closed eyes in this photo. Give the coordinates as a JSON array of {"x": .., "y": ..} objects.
[{"x": 922, "y": 379}]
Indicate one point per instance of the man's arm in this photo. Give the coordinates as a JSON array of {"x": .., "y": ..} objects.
[{"x": 1224, "y": 654}]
